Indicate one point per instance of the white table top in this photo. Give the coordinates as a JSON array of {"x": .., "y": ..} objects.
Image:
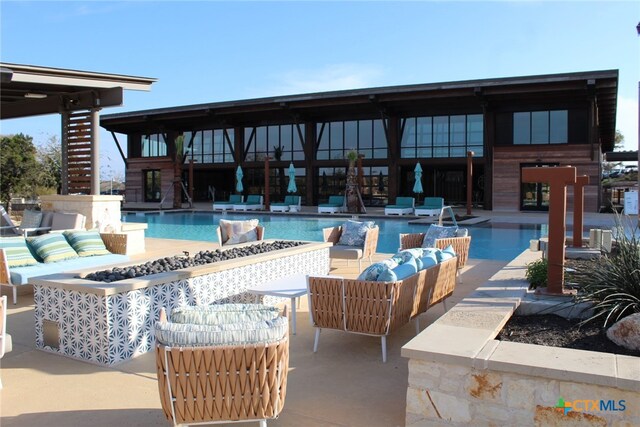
[{"x": 291, "y": 287}]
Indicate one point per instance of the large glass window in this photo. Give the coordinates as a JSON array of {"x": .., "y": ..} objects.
[
  {"x": 209, "y": 146},
  {"x": 336, "y": 139},
  {"x": 442, "y": 136},
  {"x": 153, "y": 145},
  {"x": 285, "y": 141},
  {"x": 375, "y": 184},
  {"x": 540, "y": 127}
]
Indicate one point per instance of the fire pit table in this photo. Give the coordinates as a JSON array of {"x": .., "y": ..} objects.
[{"x": 108, "y": 323}]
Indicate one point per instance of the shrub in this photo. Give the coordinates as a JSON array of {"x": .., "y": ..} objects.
[
  {"x": 536, "y": 273},
  {"x": 612, "y": 282}
]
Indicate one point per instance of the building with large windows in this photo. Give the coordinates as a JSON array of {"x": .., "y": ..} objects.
[{"x": 508, "y": 123}]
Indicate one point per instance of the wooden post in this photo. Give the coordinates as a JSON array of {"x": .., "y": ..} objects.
[
  {"x": 469, "y": 180},
  {"x": 266, "y": 183},
  {"x": 360, "y": 173},
  {"x": 558, "y": 178},
  {"x": 578, "y": 209},
  {"x": 191, "y": 179}
]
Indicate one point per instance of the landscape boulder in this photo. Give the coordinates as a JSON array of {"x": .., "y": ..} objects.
[{"x": 626, "y": 332}]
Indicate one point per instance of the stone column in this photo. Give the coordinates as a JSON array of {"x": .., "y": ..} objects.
[{"x": 95, "y": 151}]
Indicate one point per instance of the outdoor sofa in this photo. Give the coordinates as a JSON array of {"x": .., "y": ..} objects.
[
  {"x": 286, "y": 205},
  {"x": 460, "y": 241},
  {"x": 378, "y": 307},
  {"x": 334, "y": 205},
  {"x": 403, "y": 205},
  {"x": 225, "y": 205},
  {"x": 18, "y": 265}
]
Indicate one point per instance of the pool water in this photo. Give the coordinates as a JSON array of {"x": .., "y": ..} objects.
[{"x": 488, "y": 241}]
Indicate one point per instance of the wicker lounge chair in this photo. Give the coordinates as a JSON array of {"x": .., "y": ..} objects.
[
  {"x": 223, "y": 237},
  {"x": 338, "y": 251},
  {"x": 460, "y": 245},
  {"x": 377, "y": 308},
  {"x": 222, "y": 383},
  {"x": 253, "y": 203},
  {"x": 285, "y": 206},
  {"x": 23, "y": 229},
  {"x": 334, "y": 205},
  {"x": 404, "y": 205},
  {"x": 223, "y": 206},
  {"x": 432, "y": 206}
]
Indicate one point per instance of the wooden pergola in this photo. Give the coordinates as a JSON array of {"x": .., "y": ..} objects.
[{"x": 78, "y": 96}]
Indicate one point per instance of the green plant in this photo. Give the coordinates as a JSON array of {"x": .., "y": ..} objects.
[
  {"x": 352, "y": 156},
  {"x": 536, "y": 273},
  {"x": 612, "y": 282}
]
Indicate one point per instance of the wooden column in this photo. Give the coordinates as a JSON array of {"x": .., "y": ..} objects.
[
  {"x": 311, "y": 178},
  {"x": 64, "y": 172},
  {"x": 578, "y": 209},
  {"x": 558, "y": 178},
  {"x": 469, "y": 180},
  {"x": 393, "y": 137},
  {"x": 266, "y": 183},
  {"x": 489, "y": 142},
  {"x": 191, "y": 179}
]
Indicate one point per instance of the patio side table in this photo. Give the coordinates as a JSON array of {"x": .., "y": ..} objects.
[{"x": 286, "y": 287}]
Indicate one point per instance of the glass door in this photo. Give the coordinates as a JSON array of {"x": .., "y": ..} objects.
[
  {"x": 534, "y": 196},
  {"x": 152, "y": 188}
]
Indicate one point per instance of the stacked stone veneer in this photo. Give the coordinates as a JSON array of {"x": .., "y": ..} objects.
[
  {"x": 109, "y": 329},
  {"x": 459, "y": 375}
]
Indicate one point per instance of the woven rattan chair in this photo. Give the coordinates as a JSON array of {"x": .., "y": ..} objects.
[
  {"x": 337, "y": 251},
  {"x": 460, "y": 245},
  {"x": 223, "y": 383}
]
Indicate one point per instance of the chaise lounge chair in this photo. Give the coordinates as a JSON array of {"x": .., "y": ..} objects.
[
  {"x": 404, "y": 205},
  {"x": 335, "y": 204},
  {"x": 253, "y": 203},
  {"x": 31, "y": 221},
  {"x": 286, "y": 205},
  {"x": 432, "y": 206},
  {"x": 223, "y": 206}
]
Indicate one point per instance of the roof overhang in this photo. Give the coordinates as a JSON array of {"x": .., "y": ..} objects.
[
  {"x": 598, "y": 86},
  {"x": 27, "y": 90}
]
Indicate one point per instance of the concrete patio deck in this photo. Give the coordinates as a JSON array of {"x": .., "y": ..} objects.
[{"x": 344, "y": 384}]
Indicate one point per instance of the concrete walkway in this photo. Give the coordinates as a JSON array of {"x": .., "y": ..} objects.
[{"x": 344, "y": 384}]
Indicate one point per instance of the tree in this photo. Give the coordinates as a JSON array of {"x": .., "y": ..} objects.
[
  {"x": 17, "y": 166},
  {"x": 607, "y": 167},
  {"x": 49, "y": 158}
]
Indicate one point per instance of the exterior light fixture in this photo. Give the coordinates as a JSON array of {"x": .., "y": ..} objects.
[{"x": 32, "y": 95}]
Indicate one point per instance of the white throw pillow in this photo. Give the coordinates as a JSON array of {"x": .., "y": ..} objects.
[{"x": 233, "y": 232}]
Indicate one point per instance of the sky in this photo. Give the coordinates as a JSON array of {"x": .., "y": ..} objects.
[{"x": 210, "y": 51}]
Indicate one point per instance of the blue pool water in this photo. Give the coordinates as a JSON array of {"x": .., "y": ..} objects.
[{"x": 488, "y": 241}]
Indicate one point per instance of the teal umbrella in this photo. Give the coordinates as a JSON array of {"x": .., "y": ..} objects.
[
  {"x": 417, "y": 187},
  {"x": 239, "y": 176},
  {"x": 292, "y": 180}
]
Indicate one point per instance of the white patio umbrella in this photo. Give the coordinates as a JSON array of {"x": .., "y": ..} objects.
[
  {"x": 239, "y": 176},
  {"x": 292, "y": 180},
  {"x": 417, "y": 187}
]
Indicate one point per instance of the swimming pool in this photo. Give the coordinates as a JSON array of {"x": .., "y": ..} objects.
[{"x": 489, "y": 241}]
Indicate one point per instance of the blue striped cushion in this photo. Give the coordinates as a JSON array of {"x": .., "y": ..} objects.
[
  {"x": 188, "y": 335},
  {"x": 17, "y": 252},
  {"x": 52, "y": 247},
  {"x": 86, "y": 243},
  {"x": 224, "y": 313}
]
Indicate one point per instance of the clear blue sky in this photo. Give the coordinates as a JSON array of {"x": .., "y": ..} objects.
[{"x": 215, "y": 51}]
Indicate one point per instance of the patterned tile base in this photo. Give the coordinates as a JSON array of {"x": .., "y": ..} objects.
[{"x": 109, "y": 330}]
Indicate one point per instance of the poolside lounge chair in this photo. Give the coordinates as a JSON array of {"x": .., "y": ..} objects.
[
  {"x": 288, "y": 202},
  {"x": 223, "y": 206},
  {"x": 253, "y": 203},
  {"x": 404, "y": 205},
  {"x": 31, "y": 221},
  {"x": 432, "y": 206},
  {"x": 335, "y": 204},
  {"x": 342, "y": 251}
]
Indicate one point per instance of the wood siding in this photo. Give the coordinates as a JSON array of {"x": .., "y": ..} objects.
[
  {"x": 135, "y": 175},
  {"x": 506, "y": 172}
]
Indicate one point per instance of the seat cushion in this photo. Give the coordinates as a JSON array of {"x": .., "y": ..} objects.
[
  {"x": 217, "y": 314},
  {"x": 354, "y": 232},
  {"x": 437, "y": 232},
  {"x": 31, "y": 219},
  {"x": 17, "y": 252},
  {"x": 345, "y": 252},
  {"x": 188, "y": 334},
  {"x": 233, "y": 232},
  {"x": 52, "y": 247},
  {"x": 86, "y": 243},
  {"x": 67, "y": 221},
  {"x": 445, "y": 254},
  {"x": 400, "y": 272}
]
